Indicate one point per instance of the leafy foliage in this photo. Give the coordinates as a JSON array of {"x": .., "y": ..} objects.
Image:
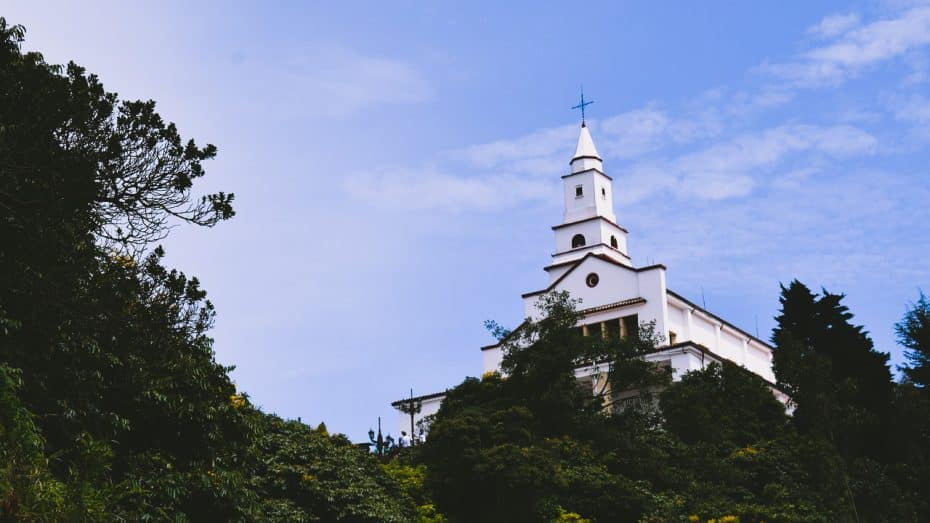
[
  {"x": 318, "y": 477},
  {"x": 841, "y": 384},
  {"x": 719, "y": 447},
  {"x": 529, "y": 445},
  {"x": 112, "y": 406},
  {"x": 27, "y": 489},
  {"x": 914, "y": 335},
  {"x": 846, "y": 405},
  {"x": 722, "y": 404}
]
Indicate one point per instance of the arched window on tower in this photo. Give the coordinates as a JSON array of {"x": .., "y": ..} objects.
[
  {"x": 613, "y": 241},
  {"x": 577, "y": 241}
]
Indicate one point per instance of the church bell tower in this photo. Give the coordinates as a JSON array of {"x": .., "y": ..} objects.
[{"x": 589, "y": 224}]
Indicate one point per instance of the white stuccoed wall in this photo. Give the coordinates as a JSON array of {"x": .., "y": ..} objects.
[
  {"x": 491, "y": 358},
  {"x": 616, "y": 284},
  {"x": 593, "y": 202},
  {"x": 691, "y": 323}
]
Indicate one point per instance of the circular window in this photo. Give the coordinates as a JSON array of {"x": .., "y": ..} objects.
[{"x": 592, "y": 279}]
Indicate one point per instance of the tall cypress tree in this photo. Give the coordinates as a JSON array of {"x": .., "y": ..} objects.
[
  {"x": 841, "y": 385},
  {"x": 914, "y": 335}
]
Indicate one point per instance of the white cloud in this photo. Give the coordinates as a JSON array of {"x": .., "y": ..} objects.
[
  {"x": 743, "y": 104},
  {"x": 635, "y": 132},
  {"x": 796, "y": 178},
  {"x": 854, "y": 48},
  {"x": 338, "y": 82},
  {"x": 539, "y": 150},
  {"x": 693, "y": 155},
  {"x": 914, "y": 109},
  {"x": 834, "y": 25},
  {"x": 642, "y": 180},
  {"x": 727, "y": 169},
  {"x": 544, "y": 153},
  {"x": 640, "y": 131},
  {"x": 858, "y": 114},
  {"x": 715, "y": 185},
  {"x": 760, "y": 241},
  {"x": 430, "y": 190},
  {"x": 877, "y": 41},
  {"x": 731, "y": 168}
]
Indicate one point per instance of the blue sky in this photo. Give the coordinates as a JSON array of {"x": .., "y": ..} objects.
[{"x": 397, "y": 166}]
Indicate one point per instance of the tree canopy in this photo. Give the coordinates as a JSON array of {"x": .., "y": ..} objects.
[
  {"x": 112, "y": 406},
  {"x": 914, "y": 335}
]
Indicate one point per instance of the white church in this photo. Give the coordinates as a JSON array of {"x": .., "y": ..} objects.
[{"x": 591, "y": 262}]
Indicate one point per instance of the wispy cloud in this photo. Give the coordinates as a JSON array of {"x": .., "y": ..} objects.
[
  {"x": 749, "y": 249},
  {"x": 636, "y": 132},
  {"x": 545, "y": 152},
  {"x": 337, "y": 81},
  {"x": 700, "y": 151},
  {"x": 535, "y": 153},
  {"x": 746, "y": 103},
  {"x": 640, "y": 131},
  {"x": 755, "y": 150},
  {"x": 506, "y": 173},
  {"x": 835, "y": 25},
  {"x": 434, "y": 190},
  {"x": 796, "y": 178},
  {"x": 733, "y": 167},
  {"x": 915, "y": 109},
  {"x": 852, "y": 47}
]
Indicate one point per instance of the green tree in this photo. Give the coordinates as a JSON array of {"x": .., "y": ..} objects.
[
  {"x": 28, "y": 492},
  {"x": 529, "y": 446},
  {"x": 845, "y": 400},
  {"x": 910, "y": 427},
  {"x": 842, "y": 386},
  {"x": 304, "y": 474},
  {"x": 722, "y": 404},
  {"x": 913, "y": 333},
  {"x": 116, "y": 367},
  {"x": 734, "y": 453},
  {"x": 411, "y": 478},
  {"x": 111, "y": 402}
]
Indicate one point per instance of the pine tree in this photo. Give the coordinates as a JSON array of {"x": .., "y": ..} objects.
[
  {"x": 914, "y": 335},
  {"x": 842, "y": 386}
]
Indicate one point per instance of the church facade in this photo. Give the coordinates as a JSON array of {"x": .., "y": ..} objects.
[{"x": 591, "y": 263}]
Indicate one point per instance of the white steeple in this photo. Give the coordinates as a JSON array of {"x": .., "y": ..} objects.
[
  {"x": 589, "y": 224},
  {"x": 586, "y": 156}
]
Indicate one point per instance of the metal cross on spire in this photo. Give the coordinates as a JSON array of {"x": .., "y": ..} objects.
[{"x": 582, "y": 105}]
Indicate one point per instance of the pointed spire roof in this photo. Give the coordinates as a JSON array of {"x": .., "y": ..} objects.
[
  {"x": 585, "y": 148},
  {"x": 586, "y": 156}
]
